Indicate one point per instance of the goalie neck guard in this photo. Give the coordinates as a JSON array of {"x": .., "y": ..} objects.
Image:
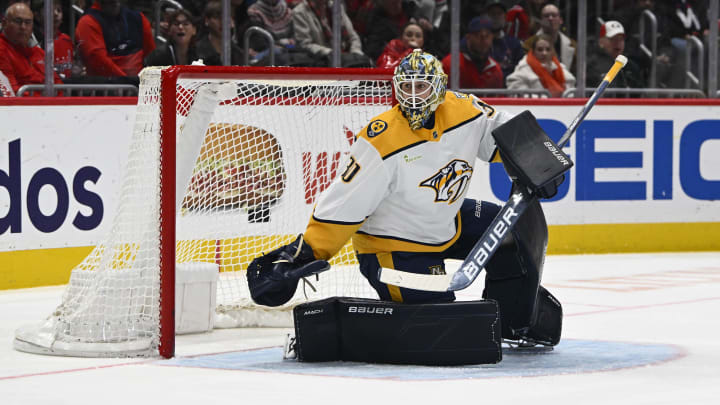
[{"x": 420, "y": 86}]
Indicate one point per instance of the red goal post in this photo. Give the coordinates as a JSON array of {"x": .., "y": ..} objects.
[{"x": 251, "y": 148}]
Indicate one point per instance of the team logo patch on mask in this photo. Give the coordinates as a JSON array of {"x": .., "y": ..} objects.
[
  {"x": 450, "y": 182},
  {"x": 376, "y": 128}
]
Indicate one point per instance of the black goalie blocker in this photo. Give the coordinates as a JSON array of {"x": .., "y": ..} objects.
[
  {"x": 273, "y": 277},
  {"x": 530, "y": 157},
  {"x": 372, "y": 331}
]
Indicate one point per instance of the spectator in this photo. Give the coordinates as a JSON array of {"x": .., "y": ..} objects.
[
  {"x": 113, "y": 40},
  {"x": 611, "y": 43},
  {"x": 477, "y": 68},
  {"x": 523, "y": 19},
  {"x": 424, "y": 9},
  {"x": 550, "y": 24},
  {"x": 163, "y": 27},
  {"x": 209, "y": 45},
  {"x": 358, "y": 11},
  {"x": 313, "y": 29},
  {"x": 630, "y": 17},
  {"x": 388, "y": 18},
  {"x": 5, "y": 86},
  {"x": 241, "y": 19},
  {"x": 276, "y": 17},
  {"x": 685, "y": 19},
  {"x": 412, "y": 37},
  {"x": 541, "y": 69},
  {"x": 506, "y": 50},
  {"x": 63, "y": 49},
  {"x": 20, "y": 63},
  {"x": 470, "y": 9},
  {"x": 180, "y": 47}
]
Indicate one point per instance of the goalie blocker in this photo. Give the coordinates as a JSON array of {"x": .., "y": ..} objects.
[
  {"x": 530, "y": 157},
  {"x": 364, "y": 330}
]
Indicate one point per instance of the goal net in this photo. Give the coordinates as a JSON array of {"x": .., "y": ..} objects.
[{"x": 225, "y": 163}]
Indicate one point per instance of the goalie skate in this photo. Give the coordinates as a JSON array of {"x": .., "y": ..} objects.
[{"x": 527, "y": 345}]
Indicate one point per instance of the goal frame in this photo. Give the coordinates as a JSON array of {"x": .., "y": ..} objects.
[{"x": 168, "y": 106}]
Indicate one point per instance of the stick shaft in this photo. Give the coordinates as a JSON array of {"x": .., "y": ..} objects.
[{"x": 609, "y": 77}]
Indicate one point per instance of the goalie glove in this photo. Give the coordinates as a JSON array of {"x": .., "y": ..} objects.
[{"x": 273, "y": 277}]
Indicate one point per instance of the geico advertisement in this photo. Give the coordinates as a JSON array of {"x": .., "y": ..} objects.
[
  {"x": 633, "y": 164},
  {"x": 59, "y": 171},
  {"x": 60, "y": 168}
]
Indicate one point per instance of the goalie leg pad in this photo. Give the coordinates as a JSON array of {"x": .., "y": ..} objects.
[
  {"x": 514, "y": 272},
  {"x": 547, "y": 323},
  {"x": 355, "y": 329}
]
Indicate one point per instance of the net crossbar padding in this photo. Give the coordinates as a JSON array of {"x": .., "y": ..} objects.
[{"x": 250, "y": 150}]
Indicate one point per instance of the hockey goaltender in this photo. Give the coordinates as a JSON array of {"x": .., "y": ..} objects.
[{"x": 401, "y": 199}]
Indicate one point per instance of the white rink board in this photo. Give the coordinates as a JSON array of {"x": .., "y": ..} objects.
[
  {"x": 66, "y": 139},
  {"x": 63, "y": 139}
]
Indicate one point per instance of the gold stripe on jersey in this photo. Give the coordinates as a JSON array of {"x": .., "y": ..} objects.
[
  {"x": 496, "y": 157},
  {"x": 390, "y": 132},
  {"x": 327, "y": 238},
  {"x": 365, "y": 243},
  {"x": 385, "y": 260}
]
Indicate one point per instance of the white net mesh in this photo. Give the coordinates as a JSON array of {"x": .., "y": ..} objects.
[{"x": 269, "y": 151}]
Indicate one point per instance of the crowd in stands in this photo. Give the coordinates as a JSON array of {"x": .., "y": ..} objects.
[{"x": 518, "y": 45}]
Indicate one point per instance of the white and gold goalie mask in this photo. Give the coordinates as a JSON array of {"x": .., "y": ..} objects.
[{"x": 420, "y": 86}]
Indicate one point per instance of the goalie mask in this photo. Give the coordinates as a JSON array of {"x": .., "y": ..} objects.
[{"x": 420, "y": 85}]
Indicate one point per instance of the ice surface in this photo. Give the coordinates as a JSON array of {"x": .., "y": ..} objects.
[{"x": 638, "y": 329}]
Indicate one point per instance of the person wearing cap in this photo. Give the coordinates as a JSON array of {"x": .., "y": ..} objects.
[
  {"x": 477, "y": 67},
  {"x": 611, "y": 43},
  {"x": 506, "y": 50}
]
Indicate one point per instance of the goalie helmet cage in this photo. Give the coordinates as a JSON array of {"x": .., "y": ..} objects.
[{"x": 252, "y": 148}]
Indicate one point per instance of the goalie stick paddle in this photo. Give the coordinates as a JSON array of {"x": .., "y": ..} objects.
[{"x": 503, "y": 222}]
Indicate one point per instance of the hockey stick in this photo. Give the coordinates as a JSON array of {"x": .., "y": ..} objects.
[{"x": 501, "y": 224}]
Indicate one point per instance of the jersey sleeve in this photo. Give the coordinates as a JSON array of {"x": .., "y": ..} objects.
[
  {"x": 493, "y": 118},
  {"x": 353, "y": 196}
]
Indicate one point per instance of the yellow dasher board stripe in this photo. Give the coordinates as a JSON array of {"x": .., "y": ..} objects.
[{"x": 45, "y": 267}]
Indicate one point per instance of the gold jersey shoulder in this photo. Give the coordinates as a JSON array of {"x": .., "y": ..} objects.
[{"x": 389, "y": 132}]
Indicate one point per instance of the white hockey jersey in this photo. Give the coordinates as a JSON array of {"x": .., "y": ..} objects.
[{"x": 402, "y": 189}]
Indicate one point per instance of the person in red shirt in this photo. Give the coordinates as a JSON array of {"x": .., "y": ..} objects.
[
  {"x": 63, "y": 48},
  {"x": 412, "y": 37},
  {"x": 20, "y": 63},
  {"x": 477, "y": 69},
  {"x": 113, "y": 40}
]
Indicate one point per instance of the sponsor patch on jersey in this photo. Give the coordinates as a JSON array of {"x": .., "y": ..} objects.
[
  {"x": 376, "y": 128},
  {"x": 450, "y": 182}
]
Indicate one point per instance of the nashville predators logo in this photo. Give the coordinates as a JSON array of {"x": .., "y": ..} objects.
[
  {"x": 450, "y": 182},
  {"x": 376, "y": 128}
]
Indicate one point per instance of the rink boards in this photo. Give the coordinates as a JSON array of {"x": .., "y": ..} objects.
[{"x": 646, "y": 178}]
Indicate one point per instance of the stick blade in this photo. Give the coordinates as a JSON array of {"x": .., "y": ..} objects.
[
  {"x": 460, "y": 281},
  {"x": 424, "y": 282}
]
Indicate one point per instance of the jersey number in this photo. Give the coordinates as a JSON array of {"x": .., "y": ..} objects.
[{"x": 350, "y": 171}]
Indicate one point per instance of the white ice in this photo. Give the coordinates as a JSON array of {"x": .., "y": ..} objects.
[{"x": 668, "y": 300}]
